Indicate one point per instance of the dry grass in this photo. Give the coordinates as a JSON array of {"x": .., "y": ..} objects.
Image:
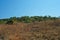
[{"x": 44, "y": 30}]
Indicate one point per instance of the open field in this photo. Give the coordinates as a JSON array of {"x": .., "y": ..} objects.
[{"x": 44, "y": 30}]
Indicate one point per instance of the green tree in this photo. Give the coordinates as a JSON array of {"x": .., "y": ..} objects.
[
  {"x": 14, "y": 19},
  {"x": 25, "y": 19}
]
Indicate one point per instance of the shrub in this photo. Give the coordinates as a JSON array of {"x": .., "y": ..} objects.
[
  {"x": 9, "y": 22},
  {"x": 2, "y": 22}
]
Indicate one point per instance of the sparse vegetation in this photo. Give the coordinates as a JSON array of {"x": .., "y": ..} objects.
[{"x": 27, "y": 19}]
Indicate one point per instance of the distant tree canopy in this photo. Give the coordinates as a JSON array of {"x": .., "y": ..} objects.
[{"x": 27, "y": 19}]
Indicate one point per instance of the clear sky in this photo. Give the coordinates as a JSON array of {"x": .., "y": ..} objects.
[{"x": 9, "y": 8}]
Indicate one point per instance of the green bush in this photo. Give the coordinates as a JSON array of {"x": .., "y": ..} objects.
[
  {"x": 2, "y": 22},
  {"x": 9, "y": 22}
]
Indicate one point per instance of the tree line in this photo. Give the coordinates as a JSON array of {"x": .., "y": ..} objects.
[{"x": 27, "y": 19}]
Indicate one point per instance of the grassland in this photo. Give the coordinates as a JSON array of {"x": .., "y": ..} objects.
[{"x": 44, "y": 30}]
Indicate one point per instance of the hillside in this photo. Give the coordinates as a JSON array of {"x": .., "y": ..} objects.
[
  {"x": 30, "y": 28},
  {"x": 43, "y": 30}
]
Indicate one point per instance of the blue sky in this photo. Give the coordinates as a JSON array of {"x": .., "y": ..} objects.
[{"x": 10, "y": 8}]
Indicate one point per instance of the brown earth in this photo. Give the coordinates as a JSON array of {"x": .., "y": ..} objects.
[{"x": 44, "y": 30}]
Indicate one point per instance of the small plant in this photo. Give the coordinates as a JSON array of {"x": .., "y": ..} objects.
[{"x": 9, "y": 22}]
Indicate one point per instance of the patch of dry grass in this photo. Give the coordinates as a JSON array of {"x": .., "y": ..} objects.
[{"x": 44, "y": 30}]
